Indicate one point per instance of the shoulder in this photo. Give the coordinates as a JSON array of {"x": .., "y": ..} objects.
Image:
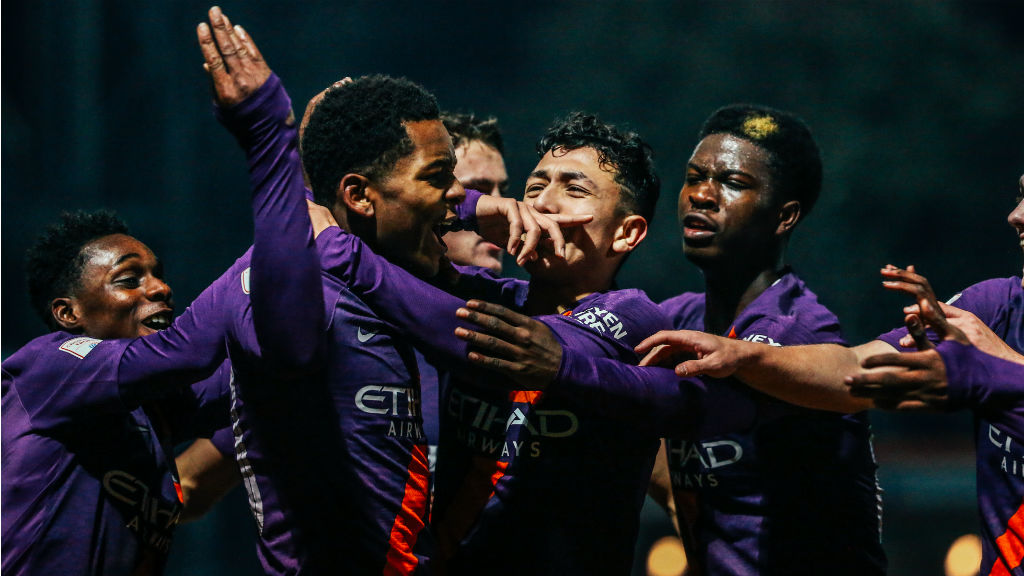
[
  {"x": 685, "y": 311},
  {"x": 986, "y": 298},
  {"x": 627, "y": 316},
  {"x": 789, "y": 313}
]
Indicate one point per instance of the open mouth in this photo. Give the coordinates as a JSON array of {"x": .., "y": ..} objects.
[
  {"x": 698, "y": 227},
  {"x": 159, "y": 321}
]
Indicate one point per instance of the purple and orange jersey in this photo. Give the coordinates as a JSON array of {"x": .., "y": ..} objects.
[
  {"x": 791, "y": 490},
  {"x": 88, "y": 486},
  {"x": 513, "y": 464},
  {"x": 987, "y": 387}
]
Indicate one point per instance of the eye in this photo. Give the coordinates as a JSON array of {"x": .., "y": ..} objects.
[
  {"x": 128, "y": 281},
  {"x": 533, "y": 190},
  {"x": 577, "y": 191},
  {"x": 692, "y": 178},
  {"x": 736, "y": 184}
]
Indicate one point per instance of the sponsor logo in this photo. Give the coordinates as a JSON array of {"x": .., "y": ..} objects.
[
  {"x": 601, "y": 321},
  {"x": 151, "y": 517},
  {"x": 364, "y": 336},
  {"x": 79, "y": 347},
  {"x": 245, "y": 280},
  {"x": 762, "y": 339},
  {"x": 491, "y": 427},
  {"x": 693, "y": 464},
  {"x": 387, "y": 400}
]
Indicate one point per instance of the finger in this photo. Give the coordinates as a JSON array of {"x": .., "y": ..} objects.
[
  {"x": 494, "y": 363},
  {"x": 222, "y": 34},
  {"x": 656, "y": 356},
  {"x": 250, "y": 47},
  {"x": 570, "y": 220},
  {"x": 553, "y": 231},
  {"x": 917, "y": 331},
  {"x": 487, "y": 342},
  {"x": 881, "y": 360},
  {"x": 214, "y": 64},
  {"x": 530, "y": 237},
  {"x": 951, "y": 312},
  {"x": 677, "y": 340},
  {"x": 509, "y": 316},
  {"x": 515, "y": 231},
  {"x": 698, "y": 367}
]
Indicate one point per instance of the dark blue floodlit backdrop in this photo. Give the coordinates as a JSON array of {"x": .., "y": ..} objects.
[{"x": 917, "y": 107}]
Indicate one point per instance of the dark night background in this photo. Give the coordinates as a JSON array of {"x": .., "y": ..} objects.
[{"x": 917, "y": 107}]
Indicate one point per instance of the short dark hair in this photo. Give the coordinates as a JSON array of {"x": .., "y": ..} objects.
[
  {"x": 468, "y": 127},
  {"x": 795, "y": 160},
  {"x": 359, "y": 128},
  {"x": 623, "y": 151},
  {"x": 54, "y": 263}
]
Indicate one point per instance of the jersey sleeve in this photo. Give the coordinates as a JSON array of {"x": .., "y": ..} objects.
[
  {"x": 70, "y": 378},
  {"x": 654, "y": 399},
  {"x": 977, "y": 379},
  {"x": 286, "y": 294},
  {"x": 422, "y": 311}
]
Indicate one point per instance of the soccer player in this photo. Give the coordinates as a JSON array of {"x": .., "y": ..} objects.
[
  {"x": 478, "y": 149},
  {"x": 510, "y": 465},
  {"x": 480, "y": 166},
  {"x": 761, "y": 485},
  {"x": 990, "y": 312},
  {"x": 91, "y": 409}
]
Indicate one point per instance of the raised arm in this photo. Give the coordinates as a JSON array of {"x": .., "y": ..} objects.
[{"x": 286, "y": 294}]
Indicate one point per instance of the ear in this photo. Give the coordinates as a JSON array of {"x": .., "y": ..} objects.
[
  {"x": 66, "y": 314},
  {"x": 352, "y": 193},
  {"x": 629, "y": 234},
  {"x": 789, "y": 215}
]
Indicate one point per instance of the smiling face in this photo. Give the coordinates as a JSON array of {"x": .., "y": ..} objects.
[
  {"x": 415, "y": 198},
  {"x": 480, "y": 167},
  {"x": 727, "y": 207},
  {"x": 121, "y": 292},
  {"x": 574, "y": 182}
]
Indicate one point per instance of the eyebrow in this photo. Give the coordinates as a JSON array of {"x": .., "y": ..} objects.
[
  {"x": 564, "y": 176},
  {"x": 127, "y": 256}
]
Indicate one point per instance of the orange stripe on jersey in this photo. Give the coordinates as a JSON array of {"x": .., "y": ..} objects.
[
  {"x": 476, "y": 490},
  {"x": 1010, "y": 545},
  {"x": 525, "y": 396},
  {"x": 732, "y": 332},
  {"x": 409, "y": 523}
]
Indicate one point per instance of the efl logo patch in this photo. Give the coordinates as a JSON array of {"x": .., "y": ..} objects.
[
  {"x": 245, "y": 280},
  {"x": 80, "y": 347}
]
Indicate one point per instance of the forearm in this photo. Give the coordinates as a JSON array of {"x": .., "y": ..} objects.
[
  {"x": 977, "y": 379},
  {"x": 286, "y": 294},
  {"x": 812, "y": 376},
  {"x": 206, "y": 475},
  {"x": 652, "y": 398},
  {"x": 424, "y": 313}
]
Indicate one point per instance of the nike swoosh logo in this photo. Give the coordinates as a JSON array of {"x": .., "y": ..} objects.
[{"x": 364, "y": 336}]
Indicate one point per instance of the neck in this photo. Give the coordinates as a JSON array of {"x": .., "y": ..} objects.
[
  {"x": 730, "y": 291},
  {"x": 547, "y": 297}
]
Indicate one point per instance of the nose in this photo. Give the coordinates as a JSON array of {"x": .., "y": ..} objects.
[
  {"x": 158, "y": 291},
  {"x": 546, "y": 202},
  {"x": 455, "y": 194},
  {"x": 701, "y": 196},
  {"x": 1016, "y": 217}
]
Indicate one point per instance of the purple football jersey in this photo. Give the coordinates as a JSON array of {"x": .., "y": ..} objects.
[
  {"x": 510, "y": 462},
  {"x": 792, "y": 492},
  {"x": 998, "y": 405},
  {"x": 87, "y": 484}
]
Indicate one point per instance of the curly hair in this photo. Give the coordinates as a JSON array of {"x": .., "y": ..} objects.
[
  {"x": 624, "y": 152},
  {"x": 55, "y": 261},
  {"x": 358, "y": 128},
  {"x": 794, "y": 157},
  {"x": 467, "y": 127}
]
